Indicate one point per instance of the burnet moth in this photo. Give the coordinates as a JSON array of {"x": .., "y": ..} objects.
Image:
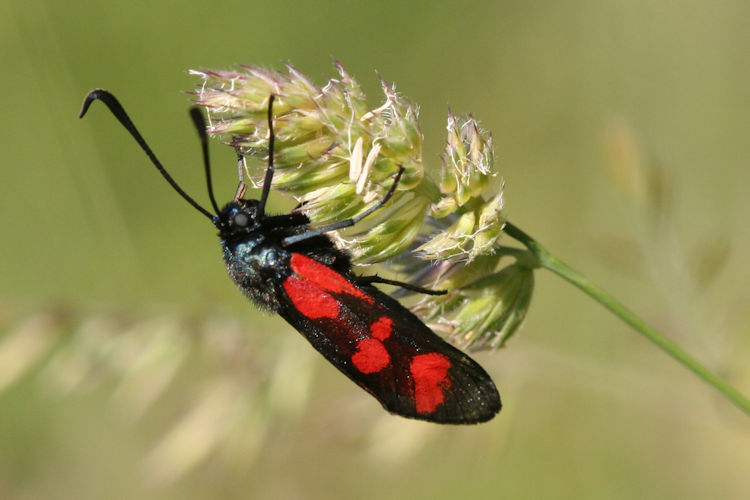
[{"x": 289, "y": 268}]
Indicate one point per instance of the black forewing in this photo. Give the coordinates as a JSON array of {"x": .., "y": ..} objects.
[{"x": 470, "y": 395}]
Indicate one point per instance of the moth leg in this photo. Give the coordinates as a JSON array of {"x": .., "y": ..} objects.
[
  {"x": 289, "y": 240},
  {"x": 367, "y": 280},
  {"x": 241, "y": 170}
]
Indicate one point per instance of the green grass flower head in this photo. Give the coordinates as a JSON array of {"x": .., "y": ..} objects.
[{"x": 338, "y": 157}]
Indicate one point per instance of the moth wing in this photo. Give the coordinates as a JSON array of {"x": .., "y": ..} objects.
[{"x": 385, "y": 348}]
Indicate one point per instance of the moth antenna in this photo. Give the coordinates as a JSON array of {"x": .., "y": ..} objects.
[
  {"x": 200, "y": 126},
  {"x": 116, "y": 108},
  {"x": 269, "y": 170}
]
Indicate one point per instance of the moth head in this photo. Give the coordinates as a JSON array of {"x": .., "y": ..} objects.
[{"x": 238, "y": 217}]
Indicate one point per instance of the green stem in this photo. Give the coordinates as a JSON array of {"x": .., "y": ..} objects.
[{"x": 551, "y": 263}]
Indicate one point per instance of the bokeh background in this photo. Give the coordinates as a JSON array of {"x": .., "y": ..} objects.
[{"x": 130, "y": 367}]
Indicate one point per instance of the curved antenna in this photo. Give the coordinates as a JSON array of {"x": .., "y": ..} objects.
[
  {"x": 200, "y": 126},
  {"x": 116, "y": 108},
  {"x": 261, "y": 210}
]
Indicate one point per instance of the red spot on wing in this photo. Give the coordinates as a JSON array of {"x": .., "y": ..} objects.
[
  {"x": 371, "y": 356},
  {"x": 324, "y": 277},
  {"x": 430, "y": 374},
  {"x": 309, "y": 300},
  {"x": 382, "y": 328}
]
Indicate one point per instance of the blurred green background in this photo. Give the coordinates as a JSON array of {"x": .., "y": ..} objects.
[{"x": 130, "y": 367}]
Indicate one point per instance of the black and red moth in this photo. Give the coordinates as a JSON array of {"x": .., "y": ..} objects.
[{"x": 285, "y": 266}]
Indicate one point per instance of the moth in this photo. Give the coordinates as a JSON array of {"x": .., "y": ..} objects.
[{"x": 286, "y": 266}]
